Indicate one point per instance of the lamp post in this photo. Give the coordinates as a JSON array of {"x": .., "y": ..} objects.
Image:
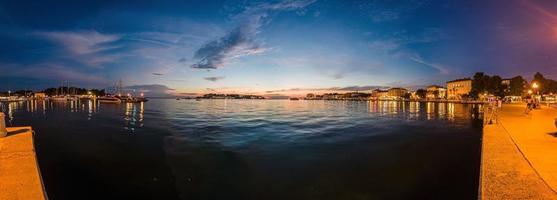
[{"x": 535, "y": 86}]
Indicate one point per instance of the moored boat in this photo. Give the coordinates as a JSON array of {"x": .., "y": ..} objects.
[{"x": 108, "y": 99}]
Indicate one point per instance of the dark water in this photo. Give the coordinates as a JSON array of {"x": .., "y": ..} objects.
[{"x": 255, "y": 149}]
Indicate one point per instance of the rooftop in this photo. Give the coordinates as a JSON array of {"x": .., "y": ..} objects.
[{"x": 459, "y": 80}]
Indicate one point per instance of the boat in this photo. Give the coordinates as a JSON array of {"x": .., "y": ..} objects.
[
  {"x": 13, "y": 99},
  {"x": 108, "y": 99},
  {"x": 58, "y": 98},
  {"x": 294, "y": 99}
]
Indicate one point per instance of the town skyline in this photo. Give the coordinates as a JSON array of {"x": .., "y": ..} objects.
[{"x": 500, "y": 87}]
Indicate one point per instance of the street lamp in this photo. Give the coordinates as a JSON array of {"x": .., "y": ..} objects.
[{"x": 530, "y": 92}]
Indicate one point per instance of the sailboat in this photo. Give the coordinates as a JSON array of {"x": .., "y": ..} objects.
[
  {"x": 108, "y": 99},
  {"x": 59, "y": 94}
]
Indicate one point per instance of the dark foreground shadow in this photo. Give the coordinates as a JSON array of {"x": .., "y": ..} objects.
[
  {"x": 17, "y": 132},
  {"x": 553, "y": 134}
]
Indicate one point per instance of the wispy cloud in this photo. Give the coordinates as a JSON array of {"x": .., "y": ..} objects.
[
  {"x": 385, "y": 11},
  {"x": 84, "y": 46},
  {"x": 214, "y": 78},
  {"x": 82, "y": 42},
  {"x": 439, "y": 67},
  {"x": 328, "y": 89},
  {"x": 241, "y": 41},
  {"x": 52, "y": 71}
]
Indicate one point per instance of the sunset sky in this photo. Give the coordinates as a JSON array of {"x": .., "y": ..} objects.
[{"x": 272, "y": 47}]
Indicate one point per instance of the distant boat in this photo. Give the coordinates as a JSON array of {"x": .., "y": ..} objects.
[
  {"x": 108, "y": 99},
  {"x": 294, "y": 99},
  {"x": 58, "y": 98}
]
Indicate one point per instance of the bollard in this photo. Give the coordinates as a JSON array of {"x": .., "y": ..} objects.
[{"x": 3, "y": 131}]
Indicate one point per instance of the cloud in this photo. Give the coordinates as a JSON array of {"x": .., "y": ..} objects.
[
  {"x": 241, "y": 41},
  {"x": 158, "y": 74},
  {"x": 338, "y": 75},
  {"x": 52, "y": 71},
  {"x": 385, "y": 11},
  {"x": 153, "y": 90},
  {"x": 214, "y": 78},
  {"x": 85, "y": 46},
  {"x": 385, "y": 15},
  {"x": 329, "y": 89},
  {"x": 82, "y": 42},
  {"x": 439, "y": 67}
]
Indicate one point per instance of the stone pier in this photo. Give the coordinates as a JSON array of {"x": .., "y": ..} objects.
[
  {"x": 19, "y": 172},
  {"x": 519, "y": 154}
]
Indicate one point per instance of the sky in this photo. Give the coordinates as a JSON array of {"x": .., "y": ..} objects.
[{"x": 271, "y": 48}]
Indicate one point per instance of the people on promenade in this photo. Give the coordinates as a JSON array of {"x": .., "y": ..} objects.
[{"x": 529, "y": 105}]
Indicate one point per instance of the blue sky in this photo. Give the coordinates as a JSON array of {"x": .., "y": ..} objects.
[{"x": 271, "y": 47}]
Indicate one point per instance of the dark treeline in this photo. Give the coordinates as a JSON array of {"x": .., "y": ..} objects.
[
  {"x": 421, "y": 93},
  {"x": 517, "y": 86},
  {"x": 73, "y": 91},
  {"x": 482, "y": 83},
  {"x": 57, "y": 91},
  {"x": 545, "y": 85}
]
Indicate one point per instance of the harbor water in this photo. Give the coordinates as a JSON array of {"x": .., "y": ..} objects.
[{"x": 254, "y": 149}]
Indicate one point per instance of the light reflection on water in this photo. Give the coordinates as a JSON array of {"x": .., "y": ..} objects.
[{"x": 268, "y": 149}]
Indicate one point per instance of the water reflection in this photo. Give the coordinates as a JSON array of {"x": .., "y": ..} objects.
[
  {"x": 425, "y": 110},
  {"x": 132, "y": 114}
]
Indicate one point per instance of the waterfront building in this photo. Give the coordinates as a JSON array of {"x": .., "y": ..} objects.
[
  {"x": 414, "y": 95},
  {"x": 506, "y": 83},
  {"x": 333, "y": 96},
  {"x": 379, "y": 94},
  {"x": 39, "y": 95},
  {"x": 457, "y": 89},
  {"x": 397, "y": 93},
  {"x": 436, "y": 92}
]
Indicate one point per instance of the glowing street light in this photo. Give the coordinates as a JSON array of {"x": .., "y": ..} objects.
[
  {"x": 535, "y": 85},
  {"x": 529, "y": 92}
]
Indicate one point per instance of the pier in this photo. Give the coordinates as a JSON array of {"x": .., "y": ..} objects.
[
  {"x": 519, "y": 154},
  {"x": 19, "y": 172}
]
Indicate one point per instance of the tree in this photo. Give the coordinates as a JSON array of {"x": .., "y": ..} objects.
[
  {"x": 542, "y": 83},
  {"x": 479, "y": 84},
  {"x": 495, "y": 87},
  {"x": 421, "y": 93},
  {"x": 517, "y": 86}
]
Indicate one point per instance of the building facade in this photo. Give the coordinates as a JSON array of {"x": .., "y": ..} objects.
[
  {"x": 379, "y": 94},
  {"x": 397, "y": 93},
  {"x": 457, "y": 89},
  {"x": 436, "y": 92}
]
